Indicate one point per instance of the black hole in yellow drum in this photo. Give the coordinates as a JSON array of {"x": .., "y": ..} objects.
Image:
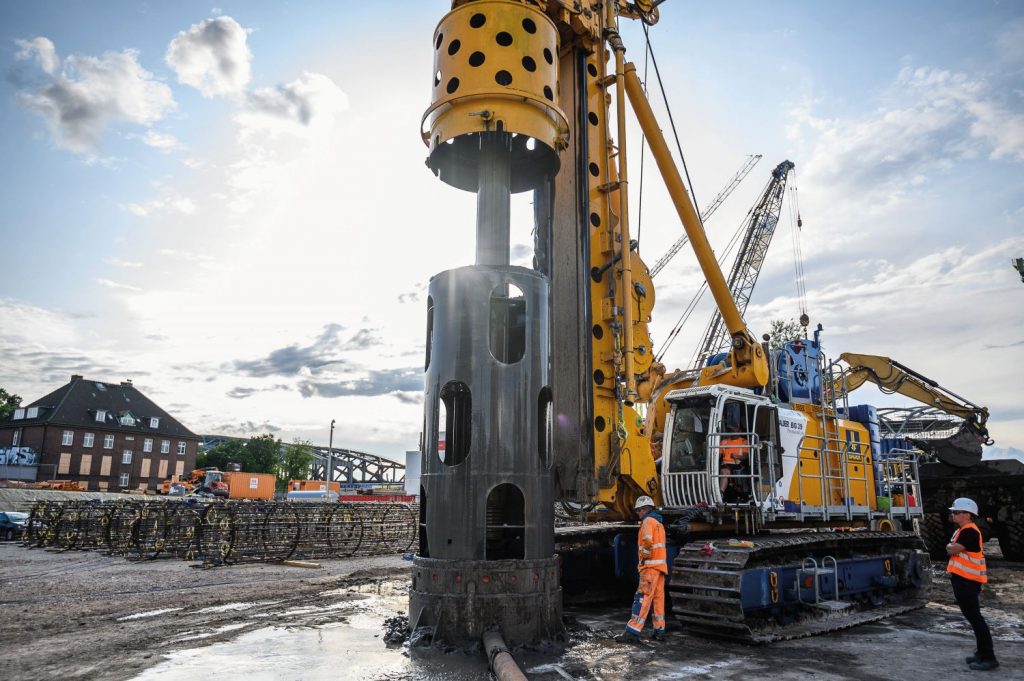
[
  {"x": 595, "y": 219},
  {"x": 529, "y": 64},
  {"x": 592, "y": 117},
  {"x": 598, "y": 332},
  {"x": 529, "y": 26},
  {"x": 594, "y": 169},
  {"x": 599, "y": 377},
  {"x": 549, "y": 94},
  {"x": 453, "y": 85},
  {"x": 592, "y": 70},
  {"x": 437, "y": 78},
  {"x": 477, "y": 58},
  {"x": 504, "y": 38},
  {"x": 503, "y": 78},
  {"x": 477, "y": 20},
  {"x": 599, "y": 424},
  {"x": 454, "y": 47},
  {"x": 440, "y": 39},
  {"x": 547, "y": 56}
]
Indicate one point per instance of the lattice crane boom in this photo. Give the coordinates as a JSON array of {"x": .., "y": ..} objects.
[
  {"x": 748, "y": 165},
  {"x": 760, "y": 228}
]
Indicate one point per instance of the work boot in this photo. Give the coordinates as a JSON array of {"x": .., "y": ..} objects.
[
  {"x": 972, "y": 658},
  {"x": 627, "y": 637},
  {"x": 658, "y": 636},
  {"x": 984, "y": 665}
]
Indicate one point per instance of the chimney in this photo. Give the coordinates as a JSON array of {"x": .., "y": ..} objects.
[
  {"x": 76, "y": 377},
  {"x": 127, "y": 383}
]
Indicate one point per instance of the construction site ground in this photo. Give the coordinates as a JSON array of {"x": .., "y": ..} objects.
[{"x": 84, "y": 615}]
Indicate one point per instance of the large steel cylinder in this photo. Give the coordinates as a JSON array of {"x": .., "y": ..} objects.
[{"x": 486, "y": 554}]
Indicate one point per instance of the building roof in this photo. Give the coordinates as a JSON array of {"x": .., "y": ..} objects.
[{"x": 77, "y": 403}]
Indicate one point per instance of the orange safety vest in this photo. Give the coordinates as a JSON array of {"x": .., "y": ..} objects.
[
  {"x": 968, "y": 564},
  {"x": 651, "y": 546},
  {"x": 734, "y": 449}
]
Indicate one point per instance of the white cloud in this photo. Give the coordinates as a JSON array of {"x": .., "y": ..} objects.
[
  {"x": 167, "y": 201},
  {"x": 212, "y": 56},
  {"x": 91, "y": 93},
  {"x": 162, "y": 141},
  {"x": 117, "y": 262},
  {"x": 303, "y": 107},
  {"x": 1010, "y": 41},
  {"x": 117, "y": 285},
  {"x": 40, "y": 48}
]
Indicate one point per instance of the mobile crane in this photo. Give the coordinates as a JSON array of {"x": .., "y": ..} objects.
[{"x": 548, "y": 377}]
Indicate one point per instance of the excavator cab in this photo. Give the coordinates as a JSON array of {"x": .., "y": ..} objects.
[{"x": 721, "y": 448}]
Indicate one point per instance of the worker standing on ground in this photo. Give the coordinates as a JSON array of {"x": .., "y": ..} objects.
[
  {"x": 967, "y": 572},
  {"x": 653, "y": 567}
]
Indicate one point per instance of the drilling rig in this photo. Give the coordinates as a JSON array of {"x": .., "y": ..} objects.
[{"x": 544, "y": 381}]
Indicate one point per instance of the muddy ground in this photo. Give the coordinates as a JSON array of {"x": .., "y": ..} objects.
[{"x": 82, "y": 615}]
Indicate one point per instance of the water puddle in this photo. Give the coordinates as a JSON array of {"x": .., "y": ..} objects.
[
  {"x": 149, "y": 613},
  {"x": 229, "y": 607}
]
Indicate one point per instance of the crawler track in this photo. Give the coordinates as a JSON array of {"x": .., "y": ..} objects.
[{"x": 706, "y": 589}]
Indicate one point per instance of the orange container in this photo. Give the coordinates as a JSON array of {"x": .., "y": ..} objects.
[
  {"x": 249, "y": 485},
  {"x": 312, "y": 486}
]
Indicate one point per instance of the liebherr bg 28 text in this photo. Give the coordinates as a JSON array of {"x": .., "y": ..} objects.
[{"x": 545, "y": 378}]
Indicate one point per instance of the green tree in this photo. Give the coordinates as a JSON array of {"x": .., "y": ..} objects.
[
  {"x": 262, "y": 454},
  {"x": 782, "y": 332},
  {"x": 8, "y": 403},
  {"x": 295, "y": 464},
  {"x": 231, "y": 451}
]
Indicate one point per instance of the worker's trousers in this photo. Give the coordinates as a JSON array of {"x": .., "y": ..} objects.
[
  {"x": 966, "y": 594},
  {"x": 651, "y": 592}
]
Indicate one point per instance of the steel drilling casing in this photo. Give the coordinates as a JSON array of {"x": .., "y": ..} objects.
[
  {"x": 495, "y": 68},
  {"x": 496, "y": 421}
]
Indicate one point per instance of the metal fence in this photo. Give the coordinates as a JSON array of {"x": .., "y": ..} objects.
[{"x": 223, "y": 532}]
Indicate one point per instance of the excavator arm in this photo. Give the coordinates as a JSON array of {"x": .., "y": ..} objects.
[{"x": 892, "y": 377}]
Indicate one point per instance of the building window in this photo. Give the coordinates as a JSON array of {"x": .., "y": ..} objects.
[
  {"x": 88, "y": 439},
  {"x": 19, "y": 414},
  {"x": 101, "y": 415},
  {"x": 165, "y": 447},
  {"x": 126, "y": 456},
  {"x": 108, "y": 442},
  {"x": 16, "y": 438},
  {"x": 68, "y": 439},
  {"x": 32, "y": 412},
  {"x": 147, "y": 444},
  {"x": 181, "y": 449},
  {"x": 126, "y": 419},
  {"x": 123, "y": 481},
  {"x": 154, "y": 422}
]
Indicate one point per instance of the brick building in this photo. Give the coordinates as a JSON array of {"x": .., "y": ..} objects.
[{"x": 108, "y": 436}]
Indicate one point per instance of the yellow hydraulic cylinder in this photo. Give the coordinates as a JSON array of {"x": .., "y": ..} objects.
[
  {"x": 495, "y": 70},
  {"x": 749, "y": 365}
]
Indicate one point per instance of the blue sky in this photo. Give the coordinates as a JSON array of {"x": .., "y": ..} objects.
[{"x": 228, "y": 203}]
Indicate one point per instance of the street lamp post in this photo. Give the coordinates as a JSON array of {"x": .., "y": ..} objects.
[{"x": 330, "y": 457}]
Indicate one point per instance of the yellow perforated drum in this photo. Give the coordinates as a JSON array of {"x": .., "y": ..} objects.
[{"x": 495, "y": 69}]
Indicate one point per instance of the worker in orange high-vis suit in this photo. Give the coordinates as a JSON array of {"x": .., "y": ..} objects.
[
  {"x": 967, "y": 572},
  {"x": 733, "y": 449},
  {"x": 653, "y": 568}
]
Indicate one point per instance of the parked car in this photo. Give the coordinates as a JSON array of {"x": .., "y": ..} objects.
[{"x": 12, "y": 524}]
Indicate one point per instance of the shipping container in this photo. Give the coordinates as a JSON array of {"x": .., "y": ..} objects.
[
  {"x": 312, "y": 486},
  {"x": 250, "y": 485}
]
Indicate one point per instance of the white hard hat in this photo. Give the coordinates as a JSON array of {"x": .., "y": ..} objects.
[
  {"x": 964, "y": 504},
  {"x": 643, "y": 501}
]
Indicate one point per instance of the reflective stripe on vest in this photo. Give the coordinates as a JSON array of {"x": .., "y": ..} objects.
[
  {"x": 734, "y": 449},
  {"x": 968, "y": 564},
  {"x": 651, "y": 546}
]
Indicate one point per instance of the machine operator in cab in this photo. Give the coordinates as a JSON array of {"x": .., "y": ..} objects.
[
  {"x": 653, "y": 568},
  {"x": 967, "y": 572},
  {"x": 733, "y": 450}
]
